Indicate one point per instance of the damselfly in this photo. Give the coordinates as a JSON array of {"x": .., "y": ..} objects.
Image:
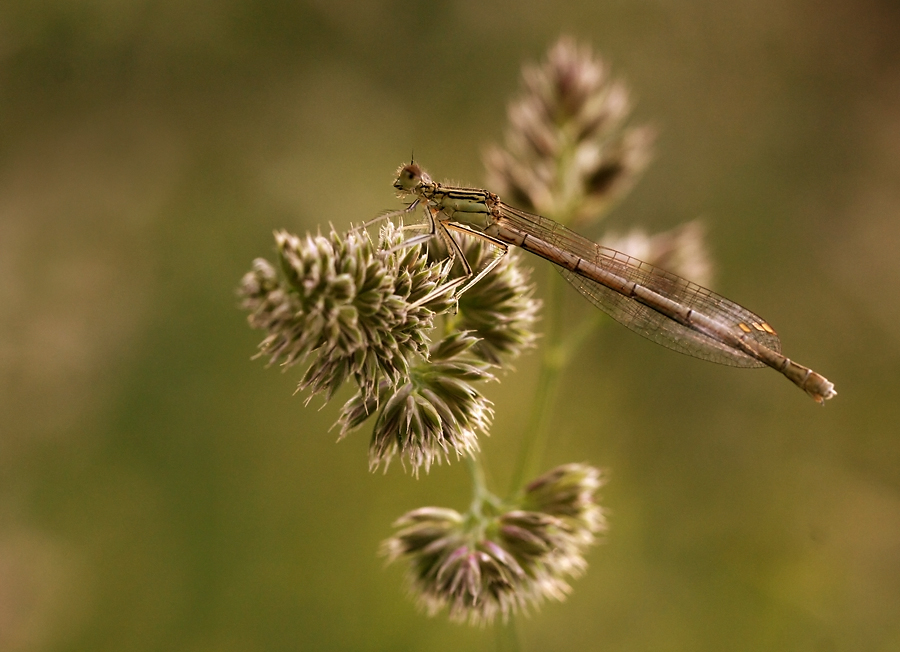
[{"x": 652, "y": 302}]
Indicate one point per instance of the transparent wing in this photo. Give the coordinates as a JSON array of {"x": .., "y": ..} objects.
[{"x": 641, "y": 318}]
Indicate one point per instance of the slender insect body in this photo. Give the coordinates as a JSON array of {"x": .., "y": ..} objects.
[{"x": 661, "y": 306}]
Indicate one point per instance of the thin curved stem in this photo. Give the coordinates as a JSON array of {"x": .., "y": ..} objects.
[
  {"x": 535, "y": 440},
  {"x": 479, "y": 486}
]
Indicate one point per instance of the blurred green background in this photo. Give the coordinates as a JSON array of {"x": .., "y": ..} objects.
[{"x": 160, "y": 491}]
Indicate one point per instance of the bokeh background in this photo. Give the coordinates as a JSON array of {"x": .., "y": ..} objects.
[{"x": 161, "y": 491}]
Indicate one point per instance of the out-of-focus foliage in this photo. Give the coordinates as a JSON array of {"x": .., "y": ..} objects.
[{"x": 160, "y": 491}]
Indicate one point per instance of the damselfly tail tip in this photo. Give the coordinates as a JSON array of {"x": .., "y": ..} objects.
[
  {"x": 819, "y": 388},
  {"x": 825, "y": 392}
]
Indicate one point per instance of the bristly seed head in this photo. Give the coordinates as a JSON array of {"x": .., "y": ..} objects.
[
  {"x": 501, "y": 561},
  {"x": 436, "y": 413},
  {"x": 350, "y": 303},
  {"x": 500, "y": 310},
  {"x": 367, "y": 313},
  {"x": 567, "y": 154},
  {"x": 681, "y": 250}
]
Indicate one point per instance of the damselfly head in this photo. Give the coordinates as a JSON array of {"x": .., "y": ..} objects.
[{"x": 409, "y": 177}]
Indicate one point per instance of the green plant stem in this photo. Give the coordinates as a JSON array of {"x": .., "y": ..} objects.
[
  {"x": 560, "y": 344},
  {"x": 552, "y": 362},
  {"x": 558, "y": 353},
  {"x": 480, "y": 493}
]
